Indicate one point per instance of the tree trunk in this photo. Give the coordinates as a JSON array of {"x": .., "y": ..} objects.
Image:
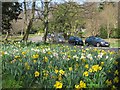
[
  {"x": 108, "y": 31},
  {"x": 25, "y": 17},
  {"x": 46, "y": 31},
  {"x": 7, "y": 35},
  {"x": 25, "y": 37},
  {"x": 46, "y": 20}
]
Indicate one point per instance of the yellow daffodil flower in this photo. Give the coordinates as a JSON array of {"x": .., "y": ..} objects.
[
  {"x": 82, "y": 84},
  {"x": 37, "y": 74},
  {"x": 116, "y": 80},
  {"x": 85, "y": 73},
  {"x": 58, "y": 85},
  {"x": 86, "y": 66},
  {"x": 70, "y": 68},
  {"x": 62, "y": 72}
]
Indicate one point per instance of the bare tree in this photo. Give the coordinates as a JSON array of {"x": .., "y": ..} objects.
[
  {"x": 91, "y": 17},
  {"x": 25, "y": 16},
  {"x": 110, "y": 17},
  {"x": 29, "y": 26}
]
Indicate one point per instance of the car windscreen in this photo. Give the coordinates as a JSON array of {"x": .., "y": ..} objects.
[
  {"x": 78, "y": 38},
  {"x": 97, "y": 38}
]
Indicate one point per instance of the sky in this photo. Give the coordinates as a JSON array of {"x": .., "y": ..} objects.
[{"x": 60, "y": 1}]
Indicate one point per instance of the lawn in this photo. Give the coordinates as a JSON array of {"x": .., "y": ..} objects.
[
  {"x": 58, "y": 66},
  {"x": 114, "y": 42}
]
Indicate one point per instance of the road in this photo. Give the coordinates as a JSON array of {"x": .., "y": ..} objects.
[{"x": 39, "y": 39}]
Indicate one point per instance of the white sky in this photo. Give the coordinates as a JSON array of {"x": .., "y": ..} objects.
[{"x": 80, "y": 1}]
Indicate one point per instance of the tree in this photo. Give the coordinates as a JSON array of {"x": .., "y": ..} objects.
[
  {"x": 10, "y": 11},
  {"x": 118, "y": 20},
  {"x": 110, "y": 17},
  {"x": 92, "y": 18},
  {"x": 25, "y": 15},
  {"x": 46, "y": 13},
  {"x": 29, "y": 26},
  {"x": 66, "y": 18}
]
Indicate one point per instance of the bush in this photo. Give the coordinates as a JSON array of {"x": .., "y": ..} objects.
[
  {"x": 115, "y": 33},
  {"x": 103, "y": 32}
]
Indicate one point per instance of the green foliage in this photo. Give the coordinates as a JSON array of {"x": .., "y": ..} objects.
[
  {"x": 118, "y": 34},
  {"x": 66, "y": 17},
  {"x": 33, "y": 30},
  {"x": 115, "y": 33},
  {"x": 103, "y": 32},
  {"x": 10, "y": 11},
  {"x": 10, "y": 82}
]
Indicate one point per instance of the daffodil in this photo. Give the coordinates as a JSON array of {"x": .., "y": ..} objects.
[
  {"x": 85, "y": 73},
  {"x": 45, "y": 59},
  {"x": 59, "y": 77},
  {"x": 116, "y": 79},
  {"x": 37, "y": 74},
  {"x": 77, "y": 86},
  {"x": 114, "y": 87},
  {"x": 90, "y": 70},
  {"x": 95, "y": 68},
  {"x": 28, "y": 67},
  {"x": 56, "y": 71},
  {"x": 58, "y": 85},
  {"x": 116, "y": 72},
  {"x": 2, "y": 53},
  {"x": 68, "y": 56},
  {"x": 116, "y": 63},
  {"x": 49, "y": 53},
  {"x": 26, "y": 63},
  {"x": 86, "y": 66},
  {"x": 61, "y": 72},
  {"x": 82, "y": 84},
  {"x": 70, "y": 68},
  {"x": 112, "y": 52},
  {"x": 102, "y": 63},
  {"x": 34, "y": 61},
  {"x": 23, "y": 53},
  {"x": 108, "y": 82},
  {"x": 100, "y": 67},
  {"x": 83, "y": 50},
  {"x": 17, "y": 57},
  {"x": 35, "y": 56}
]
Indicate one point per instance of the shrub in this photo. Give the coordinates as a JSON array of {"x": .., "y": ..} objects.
[
  {"x": 115, "y": 33},
  {"x": 103, "y": 32}
]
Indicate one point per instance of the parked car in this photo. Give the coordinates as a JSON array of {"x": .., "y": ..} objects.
[
  {"x": 55, "y": 38},
  {"x": 75, "y": 40},
  {"x": 96, "y": 41},
  {"x": 60, "y": 39}
]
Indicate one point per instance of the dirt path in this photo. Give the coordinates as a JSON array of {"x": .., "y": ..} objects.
[{"x": 36, "y": 39}]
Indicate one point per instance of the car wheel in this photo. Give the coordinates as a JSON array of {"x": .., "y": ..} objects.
[
  {"x": 74, "y": 43},
  {"x": 98, "y": 44},
  {"x": 87, "y": 44}
]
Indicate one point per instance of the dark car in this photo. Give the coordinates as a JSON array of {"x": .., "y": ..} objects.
[
  {"x": 96, "y": 41},
  {"x": 75, "y": 40}
]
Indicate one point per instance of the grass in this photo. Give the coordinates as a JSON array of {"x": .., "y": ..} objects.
[
  {"x": 10, "y": 82},
  {"x": 114, "y": 43}
]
